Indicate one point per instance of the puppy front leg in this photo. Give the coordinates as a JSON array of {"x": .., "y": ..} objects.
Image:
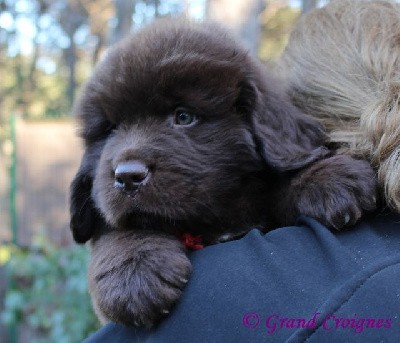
[
  {"x": 136, "y": 277},
  {"x": 336, "y": 191}
]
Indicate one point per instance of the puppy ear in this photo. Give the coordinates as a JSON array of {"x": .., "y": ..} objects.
[
  {"x": 86, "y": 220},
  {"x": 84, "y": 215},
  {"x": 285, "y": 138}
]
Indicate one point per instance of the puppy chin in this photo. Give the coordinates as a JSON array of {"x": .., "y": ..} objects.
[
  {"x": 139, "y": 220},
  {"x": 126, "y": 211}
]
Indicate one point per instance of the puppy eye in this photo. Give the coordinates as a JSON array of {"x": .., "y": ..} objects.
[{"x": 184, "y": 118}]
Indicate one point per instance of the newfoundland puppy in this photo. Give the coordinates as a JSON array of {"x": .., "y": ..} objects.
[{"x": 189, "y": 141}]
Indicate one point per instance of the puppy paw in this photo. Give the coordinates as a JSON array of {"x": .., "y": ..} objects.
[
  {"x": 135, "y": 279},
  {"x": 336, "y": 191}
]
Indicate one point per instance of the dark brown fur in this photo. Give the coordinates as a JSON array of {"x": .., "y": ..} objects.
[{"x": 245, "y": 163}]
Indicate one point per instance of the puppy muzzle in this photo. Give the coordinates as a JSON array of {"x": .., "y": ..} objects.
[{"x": 130, "y": 175}]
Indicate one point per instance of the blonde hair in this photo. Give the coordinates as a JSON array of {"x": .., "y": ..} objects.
[{"x": 342, "y": 66}]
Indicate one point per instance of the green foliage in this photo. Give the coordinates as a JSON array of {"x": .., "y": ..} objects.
[
  {"x": 40, "y": 95},
  {"x": 48, "y": 292}
]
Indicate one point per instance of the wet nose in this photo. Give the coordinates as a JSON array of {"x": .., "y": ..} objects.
[{"x": 129, "y": 175}]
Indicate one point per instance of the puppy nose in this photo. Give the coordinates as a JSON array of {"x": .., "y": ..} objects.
[{"x": 130, "y": 174}]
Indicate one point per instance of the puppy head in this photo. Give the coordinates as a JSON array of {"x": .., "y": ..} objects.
[{"x": 187, "y": 127}]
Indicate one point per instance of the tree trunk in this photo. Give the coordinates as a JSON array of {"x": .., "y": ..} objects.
[
  {"x": 70, "y": 57},
  {"x": 124, "y": 11},
  {"x": 42, "y": 8},
  {"x": 156, "y": 8},
  {"x": 71, "y": 18},
  {"x": 308, "y": 5},
  {"x": 242, "y": 16},
  {"x": 99, "y": 46}
]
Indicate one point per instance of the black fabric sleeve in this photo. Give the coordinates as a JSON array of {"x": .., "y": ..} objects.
[{"x": 295, "y": 284}]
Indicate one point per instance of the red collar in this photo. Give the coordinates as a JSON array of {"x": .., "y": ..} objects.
[{"x": 191, "y": 242}]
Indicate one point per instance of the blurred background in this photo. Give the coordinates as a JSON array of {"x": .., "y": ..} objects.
[{"x": 47, "y": 49}]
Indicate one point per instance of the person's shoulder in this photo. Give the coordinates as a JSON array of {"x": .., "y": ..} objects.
[{"x": 113, "y": 332}]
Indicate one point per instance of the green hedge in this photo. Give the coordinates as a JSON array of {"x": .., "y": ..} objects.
[{"x": 47, "y": 291}]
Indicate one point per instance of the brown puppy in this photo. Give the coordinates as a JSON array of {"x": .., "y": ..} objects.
[{"x": 186, "y": 133}]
